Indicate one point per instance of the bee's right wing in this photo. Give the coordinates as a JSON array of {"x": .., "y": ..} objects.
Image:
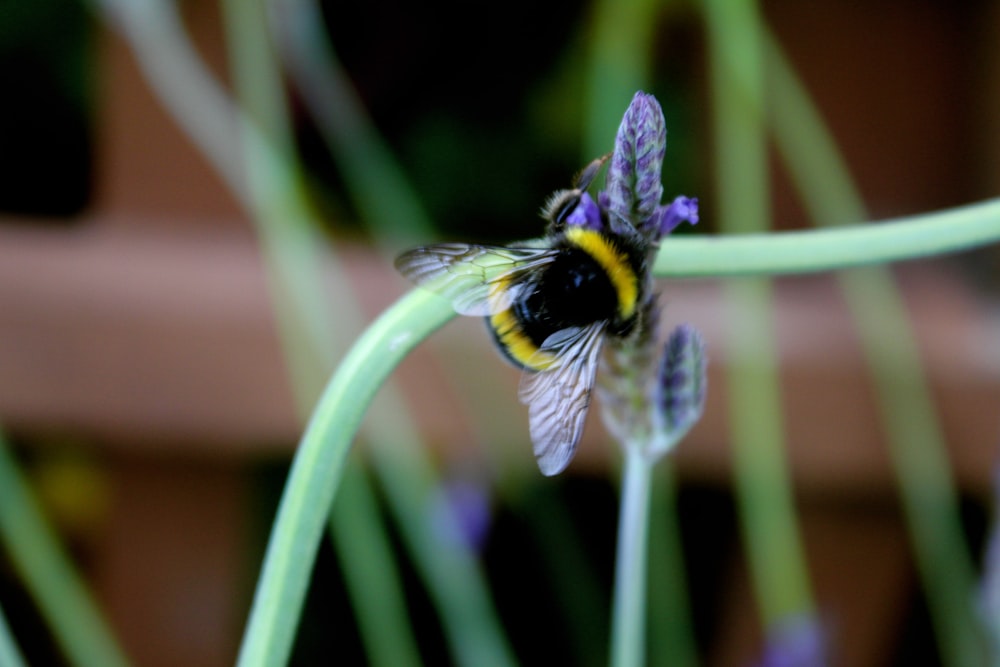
[
  {"x": 478, "y": 279},
  {"x": 558, "y": 397}
]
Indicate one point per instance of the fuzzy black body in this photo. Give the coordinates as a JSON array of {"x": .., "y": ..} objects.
[{"x": 595, "y": 277}]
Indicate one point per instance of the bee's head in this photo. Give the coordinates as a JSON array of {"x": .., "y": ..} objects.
[{"x": 573, "y": 207}]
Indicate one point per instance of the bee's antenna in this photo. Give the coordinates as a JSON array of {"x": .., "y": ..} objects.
[{"x": 588, "y": 173}]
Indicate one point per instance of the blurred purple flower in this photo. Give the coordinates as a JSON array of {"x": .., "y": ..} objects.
[
  {"x": 989, "y": 585},
  {"x": 460, "y": 513},
  {"x": 798, "y": 641}
]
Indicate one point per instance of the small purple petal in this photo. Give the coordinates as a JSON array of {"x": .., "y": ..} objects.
[
  {"x": 668, "y": 218},
  {"x": 586, "y": 214}
]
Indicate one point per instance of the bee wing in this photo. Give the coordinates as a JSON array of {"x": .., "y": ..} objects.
[
  {"x": 558, "y": 398},
  {"x": 477, "y": 278}
]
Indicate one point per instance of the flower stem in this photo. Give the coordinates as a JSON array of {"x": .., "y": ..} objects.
[
  {"x": 812, "y": 251},
  {"x": 628, "y": 615},
  {"x": 672, "y": 638}
]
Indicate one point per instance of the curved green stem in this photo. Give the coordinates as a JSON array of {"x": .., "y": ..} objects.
[
  {"x": 810, "y": 251},
  {"x": 318, "y": 466}
]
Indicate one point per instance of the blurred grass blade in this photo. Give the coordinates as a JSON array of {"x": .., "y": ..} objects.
[
  {"x": 575, "y": 583},
  {"x": 370, "y": 574},
  {"x": 450, "y": 570},
  {"x": 10, "y": 654},
  {"x": 908, "y": 410},
  {"x": 48, "y": 575},
  {"x": 620, "y": 40},
  {"x": 180, "y": 80},
  {"x": 766, "y": 506},
  {"x": 382, "y": 194}
]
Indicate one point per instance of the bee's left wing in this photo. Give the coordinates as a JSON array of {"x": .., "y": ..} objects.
[
  {"x": 558, "y": 397},
  {"x": 479, "y": 279}
]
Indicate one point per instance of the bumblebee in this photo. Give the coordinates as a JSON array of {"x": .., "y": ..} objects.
[{"x": 549, "y": 305}]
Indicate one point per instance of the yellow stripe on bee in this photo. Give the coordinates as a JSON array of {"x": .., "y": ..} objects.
[
  {"x": 497, "y": 291},
  {"x": 517, "y": 344},
  {"x": 614, "y": 263}
]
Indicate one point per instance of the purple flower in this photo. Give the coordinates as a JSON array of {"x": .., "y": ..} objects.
[
  {"x": 666, "y": 218},
  {"x": 634, "y": 189}
]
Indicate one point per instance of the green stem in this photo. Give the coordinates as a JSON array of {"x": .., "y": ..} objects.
[
  {"x": 628, "y": 621},
  {"x": 814, "y": 250},
  {"x": 671, "y": 636}
]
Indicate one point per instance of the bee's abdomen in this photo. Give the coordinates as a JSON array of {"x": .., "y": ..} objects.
[{"x": 573, "y": 291}]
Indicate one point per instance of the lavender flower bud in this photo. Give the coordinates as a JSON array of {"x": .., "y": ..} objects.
[
  {"x": 633, "y": 182},
  {"x": 680, "y": 385}
]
